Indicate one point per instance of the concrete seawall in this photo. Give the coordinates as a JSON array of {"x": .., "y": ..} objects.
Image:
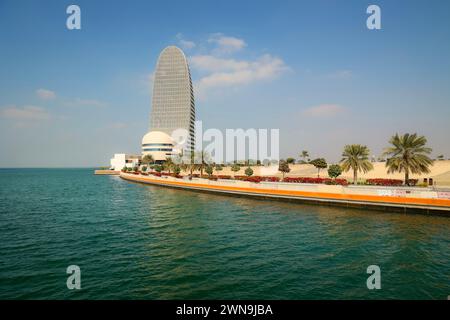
[
  {"x": 106, "y": 172},
  {"x": 401, "y": 199}
]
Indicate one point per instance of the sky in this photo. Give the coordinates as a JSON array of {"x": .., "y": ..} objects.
[{"x": 73, "y": 98}]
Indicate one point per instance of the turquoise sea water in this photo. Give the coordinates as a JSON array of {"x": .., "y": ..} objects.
[{"x": 134, "y": 241}]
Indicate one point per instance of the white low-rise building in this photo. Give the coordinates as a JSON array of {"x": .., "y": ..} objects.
[{"x": 121, "y": 160}]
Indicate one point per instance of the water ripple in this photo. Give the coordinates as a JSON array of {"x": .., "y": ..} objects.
[{"x": 142, "y": 242}]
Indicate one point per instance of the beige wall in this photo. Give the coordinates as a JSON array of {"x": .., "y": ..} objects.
[{"x": 440, "y": 172}]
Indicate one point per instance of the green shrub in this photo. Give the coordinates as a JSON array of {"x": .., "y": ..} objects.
[
  {"x": 319, "y": 163},
  {"x": 334, "y": 171},
  {"x": 209, "y": 170},
  {"x": 290, "y": 160},
  {"x": 283, "y": 167},
  {"x": 249, "y": 172}
]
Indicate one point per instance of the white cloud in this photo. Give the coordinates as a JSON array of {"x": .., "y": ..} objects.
[
  {"x": 230, "y": 72},
  {"x": 25, "y": 113},
  {"x": 226, "y": 45},
  {"x": 149, "y": 79},
  {"x": 324, "y": 110},
  {"x": 185, "y": 44},
  {"x": 78, "y": 102},
  {"x": 45, "y": 94},
  {"x": 213, "y": 64}
]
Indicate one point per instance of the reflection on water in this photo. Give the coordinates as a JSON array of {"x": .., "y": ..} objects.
[{"x": 147, "y": 242}]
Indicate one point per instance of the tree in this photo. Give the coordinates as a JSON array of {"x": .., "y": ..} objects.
[
  {"x": 334, "y": 171},
  {"x": 168, "y": 164},
  {"x": 258, "y": 162},
  {"x": 319, "y": 163},
  {"x": 191, "y": 165},
  {"x": 147, "y": 159},
  {"x": 290, "y": 160},
  {"x": 235, "y": 167},
  {"x": 176, "y": 169},
  {"x": 202, "y": 158},
  {"x": 209, "y": 170},
  {"x": 184, "y": 166},
  {"x": 283, "y": 167},
  {"x": 124, "y": 169},
  {"x": 356, "y": 157},
  {"x": 158, "y": 168},
  {"x": 408, "y": 154},
  {"x": 249, "y": 172},
  {"x": 144, "y": 168},
  {"x": 304, "y": 155}
]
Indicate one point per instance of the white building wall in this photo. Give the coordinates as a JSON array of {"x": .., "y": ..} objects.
[{"x": 120, "y": 160}]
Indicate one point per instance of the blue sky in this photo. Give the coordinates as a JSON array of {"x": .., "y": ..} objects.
[{"x": 310, "y": 68}]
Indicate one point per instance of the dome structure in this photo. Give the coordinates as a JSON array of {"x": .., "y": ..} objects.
[{"x": 158, "y": 144}]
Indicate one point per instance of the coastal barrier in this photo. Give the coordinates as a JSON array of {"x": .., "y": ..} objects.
[
  {"x": 403, "y": 199},
  {"x": 106, "y": 172}
]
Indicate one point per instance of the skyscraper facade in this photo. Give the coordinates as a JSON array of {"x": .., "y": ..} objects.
[{"x": 173, "y": 105}]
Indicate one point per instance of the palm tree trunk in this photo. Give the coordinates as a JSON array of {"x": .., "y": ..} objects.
[
  {"x": 407, "y": 177},
  {"x": 355, "y": 177},
  {"x": 318, "y": 173}
]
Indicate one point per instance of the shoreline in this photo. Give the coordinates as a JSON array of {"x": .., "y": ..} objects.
[{"x": 422, "y": 201}]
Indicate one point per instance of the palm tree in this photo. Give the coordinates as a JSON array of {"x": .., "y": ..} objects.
[
  {"x": 304, "y": 155},
  {"x": 203, "y": 159},
  {"x": 356, "y": 157},
  {"x": 178, "y": 160},
  {"x": 147, "y": 159},
  {"x": 168, "y": 164},
  {"x": 191, "y": 165},
  {"x": 408, "y": 154}
]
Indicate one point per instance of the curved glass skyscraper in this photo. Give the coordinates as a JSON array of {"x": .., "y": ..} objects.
[{"x": 173, "y": 104}]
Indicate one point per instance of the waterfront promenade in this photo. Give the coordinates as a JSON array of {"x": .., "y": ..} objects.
[{"x": 403, "y": 199}]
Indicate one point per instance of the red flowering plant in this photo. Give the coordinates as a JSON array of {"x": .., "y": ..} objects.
[
  {"x": 341, "y": 182},
  {"x": 254, "y": 179},
  {"x": 384, "y": 182},
  {"x": 257, "y": 179},
  {"x": 271, "y": 179}
]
